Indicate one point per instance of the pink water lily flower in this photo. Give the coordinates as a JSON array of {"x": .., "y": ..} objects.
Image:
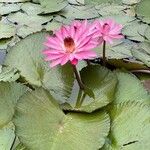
[
  {"x": 70, "y": 44},
  {"x": 108, "y": 30}
]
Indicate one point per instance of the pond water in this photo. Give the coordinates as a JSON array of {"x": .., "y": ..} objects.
[{"x": 2, "y": 56}]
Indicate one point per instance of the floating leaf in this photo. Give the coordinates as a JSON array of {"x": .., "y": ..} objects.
[
  {"x": 130, "y": 88},
  {"x": 53, "y": 5},
  {"x": 9, "y": 94},
  {"x": 79, "y": 12},
  {"x": 118, "y": 50},
  {"x": 96, "y": 2},
  {"x": 24, "y": 31},
  {"x": 101, "y": 82},
  {"x": 107, "y": 9},
  {"x": 33, "y": 21},
  {"x": 13, "y": 1},
  {"x": 130, "y": 129},
  {"x": 31, "y": 8},
  {"x": 77, "y": 2},
  {"x": 136, "y": 33},
  {"x": 51, "y": 26},
  {"x": 142, "y": 53},
  {"x": 143, "y": 8},
  {"x": 7, "y": 136},
  {"x": 6, "y": 30},
  {"x": 9, "y": 74},
  {"x": 8, "y": 8},
  {"x": 130, "y": 2},
  {"x": 41, "y": 124}
]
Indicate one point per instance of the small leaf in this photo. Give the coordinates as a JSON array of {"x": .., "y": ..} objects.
[
  {"x": 142, "y": 52},
  {"x": 8, "y": 8},
  {"x": 41, "y": 125},
  {"x": 33, "y": 21},
  {"x": 6, "y": 30},
  {"x": 7, "y": 136},
  {"x": 9, "y": 74},
  {"x": 79, "y": 12},
  {"x": 53, "y": 5}
]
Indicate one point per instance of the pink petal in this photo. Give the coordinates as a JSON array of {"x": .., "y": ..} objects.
[
  {"x": 64, "y": 60},
  {"x": 85, "y": 55},
  {"x": 53, "y": 57},
  {"x": 108, "y": 39},
  {"x": 55, "y": 62},
  {"x": 118, "y": 36}
]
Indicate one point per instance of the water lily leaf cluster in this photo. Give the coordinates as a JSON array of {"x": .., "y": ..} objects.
[
  {"x": 43, "y": 108},
  {"x": 48, "y": 109}
]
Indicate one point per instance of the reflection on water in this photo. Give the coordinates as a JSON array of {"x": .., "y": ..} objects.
[{"x": 2, "y": 56}]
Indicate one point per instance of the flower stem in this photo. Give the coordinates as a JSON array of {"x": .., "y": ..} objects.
[
  {"x": 88, "y": 62},
  {"x": 78, "y": 77},
  {"x": 104, "y": 53}
]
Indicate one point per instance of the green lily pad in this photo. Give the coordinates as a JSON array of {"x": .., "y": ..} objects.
[
  {"x": 8, "y": 8},
  {"x": 77, "y": 2},
  {"x": 53, "y": 5},
  {"x": 6, "y": 30},
  {"x": 31, "y": 8},
  {"x": 36, "y": 71},
  {"x": 143, "y": 8},
  {"x": 121, "y": 19},
  {"x": 21, "y": 147},
  {"x": 7, "y": 136},
  {"x": 118, "y": 50},
  {"x": 130, "y": 88},
  {"x": 142, "y": 52},
  {"x": 147, "y": 33},
  {"x": 101, "y": 82},
  {"x": 24, "y": 31},
  {"x": 96, "y": 2},
  {"x": 136, "y": 33},
  {"x": 10, "y": 93},
  {"x": 9, "y": 74},
  {"x": 130, "y": 129},
  {"x": 79, "y": 12},
  {"x": 130, "y": 2},
  {"x": 51, "y": 26},
  {"x": 41, "y": 124},
  {"x": 33, "y": 21},
  {"x": 107, "y": 9},
  {"x": 13, "y": 1}
]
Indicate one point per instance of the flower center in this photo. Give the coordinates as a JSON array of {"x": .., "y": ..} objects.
[
  {"x": 69, "y": 44},
  {"x": 106, "y": 28}
]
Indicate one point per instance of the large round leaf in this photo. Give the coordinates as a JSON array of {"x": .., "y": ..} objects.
[
  {"x": 130, "y": 128},
  {"x": 9, "y": 94},
  {"x": 101, "y": 81},
  {"x": 6, "y": 30},
  {"x": 27, "y": 57},
  {"x": 41, "y": 125},
  {"x": 130, "y": 88}
]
